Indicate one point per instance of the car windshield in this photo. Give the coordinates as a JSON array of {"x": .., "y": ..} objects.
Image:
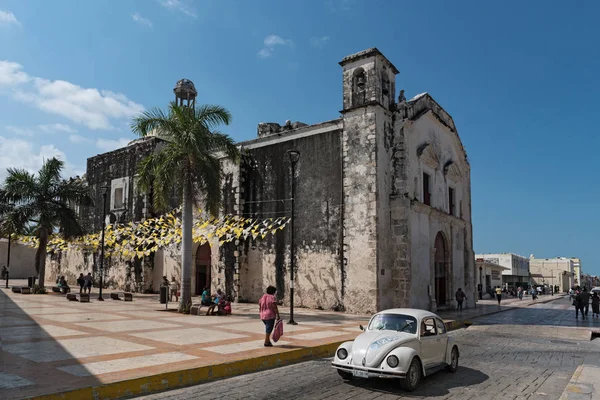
[{"x": 394, "y": 322}]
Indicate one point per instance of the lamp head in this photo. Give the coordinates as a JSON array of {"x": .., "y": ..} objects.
[{"x": 294, "y": 155}]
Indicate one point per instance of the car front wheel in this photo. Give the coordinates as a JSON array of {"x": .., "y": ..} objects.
[
  {"x": 453, "y": 365},
  {"x": 413, "y": 376},
  {"x": 347, "y": 376}
]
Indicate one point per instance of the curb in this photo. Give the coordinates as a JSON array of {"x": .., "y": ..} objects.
[{"x": 179, "y": 379}]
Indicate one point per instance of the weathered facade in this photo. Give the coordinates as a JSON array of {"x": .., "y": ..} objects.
[{"x": 382, "y": 214}]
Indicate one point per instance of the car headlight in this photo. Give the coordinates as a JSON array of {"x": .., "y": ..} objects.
[
  {"x": 393, "y": 361},
  {"x": 342, "y": 354}
]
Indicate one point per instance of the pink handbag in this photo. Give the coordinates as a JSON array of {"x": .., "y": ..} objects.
[{"x": 278, "y": 330}]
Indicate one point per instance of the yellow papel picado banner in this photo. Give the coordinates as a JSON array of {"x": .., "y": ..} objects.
[{"x": 140, "y": 239}]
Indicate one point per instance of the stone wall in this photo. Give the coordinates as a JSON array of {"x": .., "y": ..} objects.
[
  {"x": 22, "y": 259},
  {"x": 266, "y": 194}
]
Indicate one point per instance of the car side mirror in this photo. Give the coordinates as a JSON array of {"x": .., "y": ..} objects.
[{"x": 362, "y": 328}]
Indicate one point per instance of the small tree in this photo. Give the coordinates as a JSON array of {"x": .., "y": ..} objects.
[
  {"x": 45, "y": 201},
  {"x": 188, "y": 163}
]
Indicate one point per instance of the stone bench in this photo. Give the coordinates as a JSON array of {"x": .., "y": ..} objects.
[
  {"x": 25, "y": 290},
  {"x": 195, "y": 309},
  {"x": 126, "y": 296},
  {"x": 16, "y": 289},
  {"x": 57, "y": 289},
  {"x": 83, "y": 297}
]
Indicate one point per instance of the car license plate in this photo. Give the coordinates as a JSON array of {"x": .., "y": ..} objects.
[{"x": 360, "y": 374}]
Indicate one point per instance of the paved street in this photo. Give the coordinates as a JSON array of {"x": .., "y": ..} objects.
[{"x": 510, "y": 355}]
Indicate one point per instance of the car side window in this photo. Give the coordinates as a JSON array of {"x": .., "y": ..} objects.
[
  {"x": 441, "y": 327},
  {"x": 428, "y": 327}
]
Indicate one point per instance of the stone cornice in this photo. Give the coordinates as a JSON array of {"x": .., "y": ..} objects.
[{"x": 436, "y": 214}]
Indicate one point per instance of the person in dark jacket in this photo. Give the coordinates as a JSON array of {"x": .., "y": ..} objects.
[{"x": 584, "y": 296}]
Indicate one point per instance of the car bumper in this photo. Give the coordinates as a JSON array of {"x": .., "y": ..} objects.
[{"x": 363, "y": 372}]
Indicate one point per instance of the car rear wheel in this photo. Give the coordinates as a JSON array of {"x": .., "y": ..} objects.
[
  {"x": 453, "y": 365},
  {"x": 413, "y": 376},
  {"x": 347, "y": 376}
]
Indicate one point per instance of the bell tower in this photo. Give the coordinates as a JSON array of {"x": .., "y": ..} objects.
[{"x": 368, "y": 79}]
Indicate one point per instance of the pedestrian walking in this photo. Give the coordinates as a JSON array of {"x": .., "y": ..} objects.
[
  {"x": 81, "y": 282},
  {"x": 269, "y": 313},
  {"x": 585, "y": 302},
  {"x": 88, "y": 283},
  {"x": 498, "y": 294},
  {"x": 595, "y": 305},
  {"x": 520, "y": 293},
  {"x": 460, "y": 298},
  {"x": 174, "y": 286}
]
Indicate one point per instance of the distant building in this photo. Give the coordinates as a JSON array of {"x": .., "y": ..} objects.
[
  {"x": 516, "y": 272},
  {"x": 489, "y": 274},
  {"x": 558, "y": 271}
]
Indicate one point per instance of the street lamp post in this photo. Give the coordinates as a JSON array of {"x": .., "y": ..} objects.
[
  {"x": 104, "y": 191},
  {"x": 8, "y": 250},
  {"x": 8, "y": 258},
  {"x": 480, "y": 284},
  {"x": 294, "y": 155}
]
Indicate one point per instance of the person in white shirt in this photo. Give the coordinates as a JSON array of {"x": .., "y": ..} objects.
[{"x": 174, "y": 289}]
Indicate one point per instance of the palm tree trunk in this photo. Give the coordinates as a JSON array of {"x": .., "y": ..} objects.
[
  {"x": 186, "y": 247},
  {"x": 40, "y": 257}
]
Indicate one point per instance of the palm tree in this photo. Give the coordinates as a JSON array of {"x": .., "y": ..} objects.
[
  {"x": 44, "y": 200},
  {"x": 189, "y": 164}
]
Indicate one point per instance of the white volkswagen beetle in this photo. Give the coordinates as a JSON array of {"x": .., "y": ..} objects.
[{"x": 402, "y": 343}]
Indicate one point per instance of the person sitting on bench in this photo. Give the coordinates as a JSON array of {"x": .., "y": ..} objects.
[
  {"x": 206, "y": 298},
  {"x": 63, "y": 285},
  {"x": 218, "y": 298}
]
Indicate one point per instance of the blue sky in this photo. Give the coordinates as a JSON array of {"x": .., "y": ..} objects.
[{"x": 519, "y": 78}]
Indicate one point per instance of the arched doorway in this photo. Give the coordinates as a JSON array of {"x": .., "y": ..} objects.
[
  {"x": 441, "y": 269},
  {"x": 203, "y": 257}
]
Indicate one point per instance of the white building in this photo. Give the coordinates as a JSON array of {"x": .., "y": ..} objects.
[
  {"x": 489, "y": 274},
  {"x": 516, "y": 272}
]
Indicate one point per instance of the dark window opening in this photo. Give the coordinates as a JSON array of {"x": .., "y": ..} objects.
[
  {"x": 451, "y": 202},
  {"x": 426, "y": 189}
]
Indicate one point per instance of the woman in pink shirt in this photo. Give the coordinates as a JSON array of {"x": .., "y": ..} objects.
[{"x": 268, "y": 312}]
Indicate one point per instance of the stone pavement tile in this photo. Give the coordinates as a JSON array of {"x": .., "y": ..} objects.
[
  {"x": 65, "y": 349},
  {"x": 241, "y": 347},
  {"x": 15, "y": 321},
  {"x": 82, "y": 317},
  {"x": 208, "y": 320},
  {"x": 127, "y": 325},
  {"x": 317, "y": 335},
  {"x": 188, "y": 336},
  {"x": 148, "y": 314},
  {"x": 36, "y": 332},
  {"x": 10, "y": 381},
  {"x": 103, "y": 367},
  {"x": 259, "y": 327}
]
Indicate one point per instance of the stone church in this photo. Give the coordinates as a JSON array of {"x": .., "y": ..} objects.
[{"x": 382, "y": 207}]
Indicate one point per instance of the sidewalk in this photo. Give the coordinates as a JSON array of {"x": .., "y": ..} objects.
[
  {"x": 585, "y": 383},
  {"x": 113, "y": 349}
]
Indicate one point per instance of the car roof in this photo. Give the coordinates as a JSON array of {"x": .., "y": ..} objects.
[{"x": 414, "y": 312}]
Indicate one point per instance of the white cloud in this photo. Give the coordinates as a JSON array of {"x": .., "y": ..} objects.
[
  {"x": 8, "y": 18},
  {"x": 19, "y": 130},
  {"x": 319, "y": 42},
  {"x": 88, "y": 106},
  {"x": 11, "y": 74},
  {"x": 78, "y": 139},
  {"x": 19, "y": 153},
  {"x": 270, "y": 43},
  {"x": 137, "y": 17},
  {"x": 179, "y": 5},
  {"x": 50, "y": 128},
  {"x": 110, "y": 145}
]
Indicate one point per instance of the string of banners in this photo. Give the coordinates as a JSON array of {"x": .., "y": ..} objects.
[{"x": 139, "y": 239}]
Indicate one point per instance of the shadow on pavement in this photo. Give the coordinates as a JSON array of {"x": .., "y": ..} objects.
[
  {"x": 438, "y": 384},
  {"x": 29, "y": 353}
]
